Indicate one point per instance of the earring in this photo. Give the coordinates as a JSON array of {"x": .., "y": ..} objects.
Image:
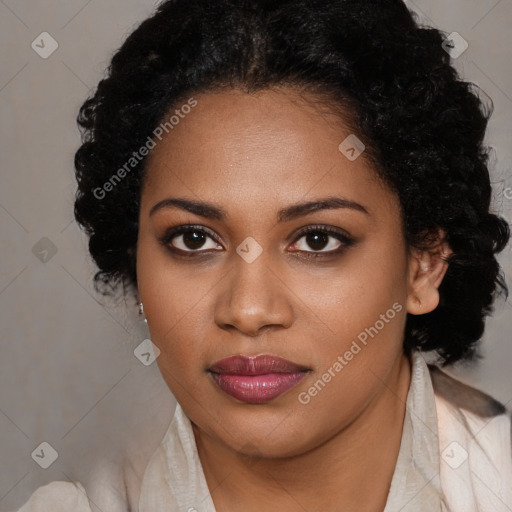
[{"x": 141, "y": 310}]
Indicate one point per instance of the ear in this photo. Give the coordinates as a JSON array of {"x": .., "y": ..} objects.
[{"x": 427, "y": 268}]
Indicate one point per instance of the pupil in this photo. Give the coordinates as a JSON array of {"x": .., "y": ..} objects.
[
  {"x": 195, "y": 238},
  {"x": 317, "y": 241}
]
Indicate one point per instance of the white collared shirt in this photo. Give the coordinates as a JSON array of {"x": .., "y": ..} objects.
[{"x": 455, "y": 456}]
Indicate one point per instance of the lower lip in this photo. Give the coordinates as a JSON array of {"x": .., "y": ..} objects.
[{"x": 257, "y": 388}]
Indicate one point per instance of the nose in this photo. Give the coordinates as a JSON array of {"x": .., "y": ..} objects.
[{"x": 253, "y": 298}]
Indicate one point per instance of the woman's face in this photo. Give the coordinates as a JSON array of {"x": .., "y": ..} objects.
[{"x": 246, "y": 281}]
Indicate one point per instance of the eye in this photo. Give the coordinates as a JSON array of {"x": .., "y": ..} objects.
[
  {"x": 322, "y": 240},
  {"x": 189, "y": 238}
]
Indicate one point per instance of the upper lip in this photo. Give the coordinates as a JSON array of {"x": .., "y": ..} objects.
[{"x": 255, "y": 365}]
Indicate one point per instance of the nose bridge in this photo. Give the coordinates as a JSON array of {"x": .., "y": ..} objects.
[{"x": 252, "y": 296}]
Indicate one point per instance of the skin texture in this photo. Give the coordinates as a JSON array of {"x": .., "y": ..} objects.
[{"x": 252, "y": 155}]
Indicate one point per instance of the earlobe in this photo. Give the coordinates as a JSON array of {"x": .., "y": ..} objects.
[
  {"x": 424, "y": 298},
  {"x": 427, "y": 269}
]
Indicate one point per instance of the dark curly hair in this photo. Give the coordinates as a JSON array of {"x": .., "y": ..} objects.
[{"x": 423, "y": 128}]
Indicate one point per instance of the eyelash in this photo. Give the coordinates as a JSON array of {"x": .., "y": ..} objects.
[{"x": 172, "y": 233}]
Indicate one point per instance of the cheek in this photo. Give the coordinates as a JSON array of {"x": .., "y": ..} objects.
[
  {"x": 178, "y": 315},
  {"x": 365, "y": 313},
  {"x": 352, "y": 297},
  {"x": 178, "y": 327},
  {"x": 175, "y": 299}
]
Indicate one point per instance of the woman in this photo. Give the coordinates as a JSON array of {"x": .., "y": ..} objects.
[{"x": 297, "y": 194}]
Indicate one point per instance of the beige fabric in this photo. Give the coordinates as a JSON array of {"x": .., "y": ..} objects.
[
  {"x": 455, "y": 456},
  {"x": 58, "y": 497},
  {"x": 483, "y": 482}
]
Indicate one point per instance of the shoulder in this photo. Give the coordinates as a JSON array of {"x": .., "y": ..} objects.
[
  {"x": 463, "y": 396},
  {"x": 469, "y": 412},
  {"x": 475, "y": 446},
  {"x": 58, "y": 497}
]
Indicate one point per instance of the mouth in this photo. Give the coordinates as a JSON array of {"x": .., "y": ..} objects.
[{"x": 256, "y": 379}]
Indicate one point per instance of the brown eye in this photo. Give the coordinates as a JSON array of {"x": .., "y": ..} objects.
[
  {"x": 193, "y": 239},
  {"x": 317, "y": 241},
  {"x": 322, "y": 240},
  {"x": 189, "y": 239}
]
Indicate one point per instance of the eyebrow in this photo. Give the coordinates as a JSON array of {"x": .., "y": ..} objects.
[{"x": 211, "y": 211}]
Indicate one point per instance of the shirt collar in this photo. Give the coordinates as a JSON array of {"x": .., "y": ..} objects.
[{"x": 415, "y": 486}]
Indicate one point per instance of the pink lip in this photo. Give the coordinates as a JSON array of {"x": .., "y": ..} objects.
[{"x": 256, "y": 379}]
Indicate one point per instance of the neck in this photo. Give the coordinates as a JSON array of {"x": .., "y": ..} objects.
[{"x": 354, "y": 467}]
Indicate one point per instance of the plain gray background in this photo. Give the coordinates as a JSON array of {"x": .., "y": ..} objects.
[{"x": 68, "y": 373}]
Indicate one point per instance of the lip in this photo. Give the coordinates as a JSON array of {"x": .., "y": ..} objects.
[{"x": 256, "y": 379}]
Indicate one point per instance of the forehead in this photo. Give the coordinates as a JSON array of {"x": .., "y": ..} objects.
[{"x": 259, "y": 149}]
